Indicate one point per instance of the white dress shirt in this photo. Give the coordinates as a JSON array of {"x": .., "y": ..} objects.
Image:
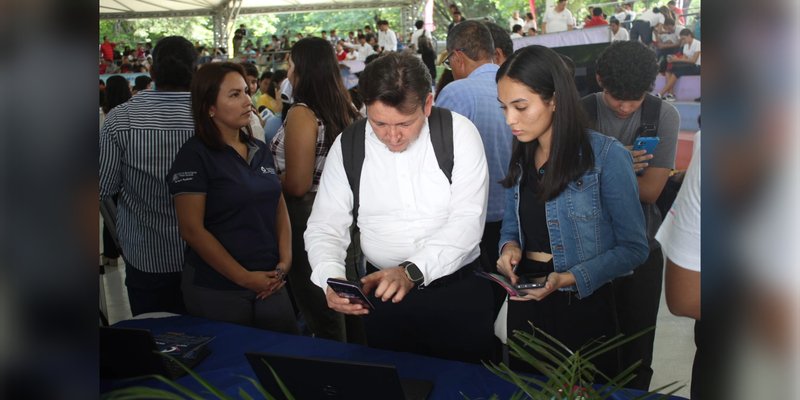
[
  {"x": 362, "y": 51},
  {"x": 387, "y": 40},
  {"x": 408, "y": 210}
]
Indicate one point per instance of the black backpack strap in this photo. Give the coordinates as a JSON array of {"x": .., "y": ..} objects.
[
  {"x": 589, "y": 103},
  {"x": 651, "y": 112},
  {"x": 440, "y": 123},
  {"x": 353, "y": 158}
]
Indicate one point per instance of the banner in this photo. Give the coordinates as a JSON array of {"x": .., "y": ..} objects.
[{"x": 428, "y": 16}]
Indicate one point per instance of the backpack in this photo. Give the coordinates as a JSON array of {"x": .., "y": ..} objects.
[
  {"x": 441, "y": 133},
  {"x": 648, "y": 122}
]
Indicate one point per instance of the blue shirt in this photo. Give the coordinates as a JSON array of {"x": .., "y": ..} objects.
[
  {"x": 475, "y": 97},
  {"x": 241, "y": 204},
  {"x": 596, "y": 225}
]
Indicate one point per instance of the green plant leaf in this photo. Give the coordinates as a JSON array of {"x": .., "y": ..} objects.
[
  {"x": 258, "y": 387},
  {"x": 244, "y": 395},
  {"x": 141, "y": 392},
  {"x": 283, "y": 387}
]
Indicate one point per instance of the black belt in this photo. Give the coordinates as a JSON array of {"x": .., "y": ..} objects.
[{"x": 462, "y": 273}]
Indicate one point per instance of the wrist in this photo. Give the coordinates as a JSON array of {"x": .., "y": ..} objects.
[{"x": 509, "y": 246}]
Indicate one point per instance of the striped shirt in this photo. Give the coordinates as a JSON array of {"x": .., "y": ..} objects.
[
  {"x": 138, "y": 142},
  {"x": 276, "y": 146}
]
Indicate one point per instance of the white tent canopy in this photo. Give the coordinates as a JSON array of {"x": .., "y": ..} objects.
[{"x": 129, "y": 9}]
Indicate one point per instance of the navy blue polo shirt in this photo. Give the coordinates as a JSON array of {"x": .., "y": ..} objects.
[{"x": 241, "y": 203}]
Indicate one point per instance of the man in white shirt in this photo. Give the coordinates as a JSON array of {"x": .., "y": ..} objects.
[
  {"x": 420, "y": 25},
  {"x": 558, "y": 19},
  {"x": 644, "y": 25},
  {"x": 515, "y": 20},
  {"x": 363, "y": 49},
  {"x": 387, "y": 40},
  {"x": 420, "y": 234},
  {"x": 618, "y": 33}
]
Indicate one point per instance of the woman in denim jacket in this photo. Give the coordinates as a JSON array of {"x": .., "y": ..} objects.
[{"x": 572, "y": 209}]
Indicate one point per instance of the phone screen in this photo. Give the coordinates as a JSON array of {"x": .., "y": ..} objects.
[
  {"x": 531, "y": 281},
  {"x": 351, "y": 291}
]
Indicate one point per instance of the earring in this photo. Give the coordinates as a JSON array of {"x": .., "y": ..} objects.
[{"x": 211, "y": 115}]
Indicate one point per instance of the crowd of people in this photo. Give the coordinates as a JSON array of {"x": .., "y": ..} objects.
[{"x": 259, "y": 187}]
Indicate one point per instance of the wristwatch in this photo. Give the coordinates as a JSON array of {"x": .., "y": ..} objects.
[{"x": 412, "y": 272}]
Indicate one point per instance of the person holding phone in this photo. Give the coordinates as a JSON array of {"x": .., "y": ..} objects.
[
  {"x": 572, "y": 209},
  {"x": 626, "y": 71}
]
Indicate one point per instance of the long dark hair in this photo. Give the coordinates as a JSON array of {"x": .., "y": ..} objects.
[
  {"x": 318, "y": 84},
  {"x": 205, "y": 90},
  {"x": 543, "y": 71},
  {"x": 118, "y": 91}
]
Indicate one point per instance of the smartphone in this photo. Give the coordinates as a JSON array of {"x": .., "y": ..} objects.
[
  {"x": 648, "y": 143},
  {"x": 531, "y": 281},
  {"x": 350, "y": 290}
]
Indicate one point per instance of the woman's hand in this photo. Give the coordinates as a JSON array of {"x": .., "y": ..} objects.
[
  {"x": 265, "y": 283},
  {"x": 555, "y": 280},
  {"x": 509, "y": 258}
]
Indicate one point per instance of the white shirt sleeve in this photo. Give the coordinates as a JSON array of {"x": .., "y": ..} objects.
[
  {"x": 327, "y": 233},
  {"x": 679, "y": 234}
]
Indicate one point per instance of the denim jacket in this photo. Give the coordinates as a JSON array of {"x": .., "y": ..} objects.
[{"x": 596, "y": 225}]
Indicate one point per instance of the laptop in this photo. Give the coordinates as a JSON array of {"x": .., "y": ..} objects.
[
  {"x": 127, "y": 352},
  {"x": 312, "y": 378}
]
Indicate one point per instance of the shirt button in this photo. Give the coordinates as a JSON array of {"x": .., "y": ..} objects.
[{"x": 579, "y": 182}]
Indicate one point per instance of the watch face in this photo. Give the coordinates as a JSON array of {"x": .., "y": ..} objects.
[{"x": 414, "y": 273}]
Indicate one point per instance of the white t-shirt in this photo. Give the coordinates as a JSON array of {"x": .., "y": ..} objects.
[
  {"x": 515, "y": 35},
  {"x": 679, "y": 234},
  {"x": 653, "y": 18},
  {"x": 622, "y": 34},
  {"x": 515, "y": 21},
  {"x": 690, "y": 49},
  {"x": 416, "y": 35},
  {"x": 557, "y": 21},
  {"x": 528, "y": 25}
]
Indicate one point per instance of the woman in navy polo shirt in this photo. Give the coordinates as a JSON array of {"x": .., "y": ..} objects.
[{"x": 230, "y": 210}]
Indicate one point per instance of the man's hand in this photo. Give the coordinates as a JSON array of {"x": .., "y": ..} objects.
[
  {"x": 390, "y": 283},
  {"x": 343, "y": 304},
  {"x": 640, "y": 159}
]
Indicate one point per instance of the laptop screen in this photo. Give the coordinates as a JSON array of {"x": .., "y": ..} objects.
[{"x": 312, "y": 378}]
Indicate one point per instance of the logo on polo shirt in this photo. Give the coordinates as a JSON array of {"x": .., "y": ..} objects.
[
  {"x": 179, "y": 177},
  {"x": 265, "y": 170}
]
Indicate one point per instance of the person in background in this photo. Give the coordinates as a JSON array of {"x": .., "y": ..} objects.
[
  {"x": 142, "y": 82},
  {"x": 321, "y": 110},
  {"x": 667, "y": 42},
  {"x": 363, "y": 49},
  {"x": 686, "y": 63},
  {"x": 515, "y": 20},
  {"x": 597, "y": 18},
  {"x": 503, "y": 46},
  {"x": 626, "y": 71},
  {"x": 230, "y": 209},
  {"x": 473, "y": 94},
  {"x": 530, "y": 23},
  {"x": 618, "y": 33},
  {"x": 677, "y": 12},
  {"x": 644, "y": 25},
  {"x": 420, "y": 25},
  {"x": 117, "y": 91},
  {"x": 428, "y": 55},
  {"x": 341, "y": 54},
  {"x": 516, "y": 31},
  {"x": 238, "y": 36},
  {"x": 268, "y": 95},
  {"x": 387, "y": 39},
  {"x": 457, "y": 19},
  {"x": 256, "y": 123},
  {"x": 134, "y": 164},
  {"x": 572, "y": 211},
  {"x": 558, "y": 19}
]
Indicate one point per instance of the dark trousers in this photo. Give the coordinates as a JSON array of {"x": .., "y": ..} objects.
[
  {"x": 572, "y": 321},
  {"x": 637, "y": 300},
  {"x": 488, "y": 259},
  {"x": 642, "y": 29},
  {"x": 701, "y": 366},
  {"x": 152, "y": 292},
  {"x": 241, "y": 307},
  {"x": 453, "y": 321},
  {"x": 309, "y": 298},
  {"x": 661, "y": 55},
  {"x": 110, "y": 249}
]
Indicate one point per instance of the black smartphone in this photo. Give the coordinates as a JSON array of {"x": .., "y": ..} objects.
[
  {"x": 350, "y": 290},
  {"x": 531, "y": 281}
]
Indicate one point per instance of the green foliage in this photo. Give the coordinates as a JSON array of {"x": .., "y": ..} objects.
[{"x": 568, "y": 374}]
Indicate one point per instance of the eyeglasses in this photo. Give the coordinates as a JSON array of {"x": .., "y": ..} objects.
[{"x": 446, "y": 61}]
